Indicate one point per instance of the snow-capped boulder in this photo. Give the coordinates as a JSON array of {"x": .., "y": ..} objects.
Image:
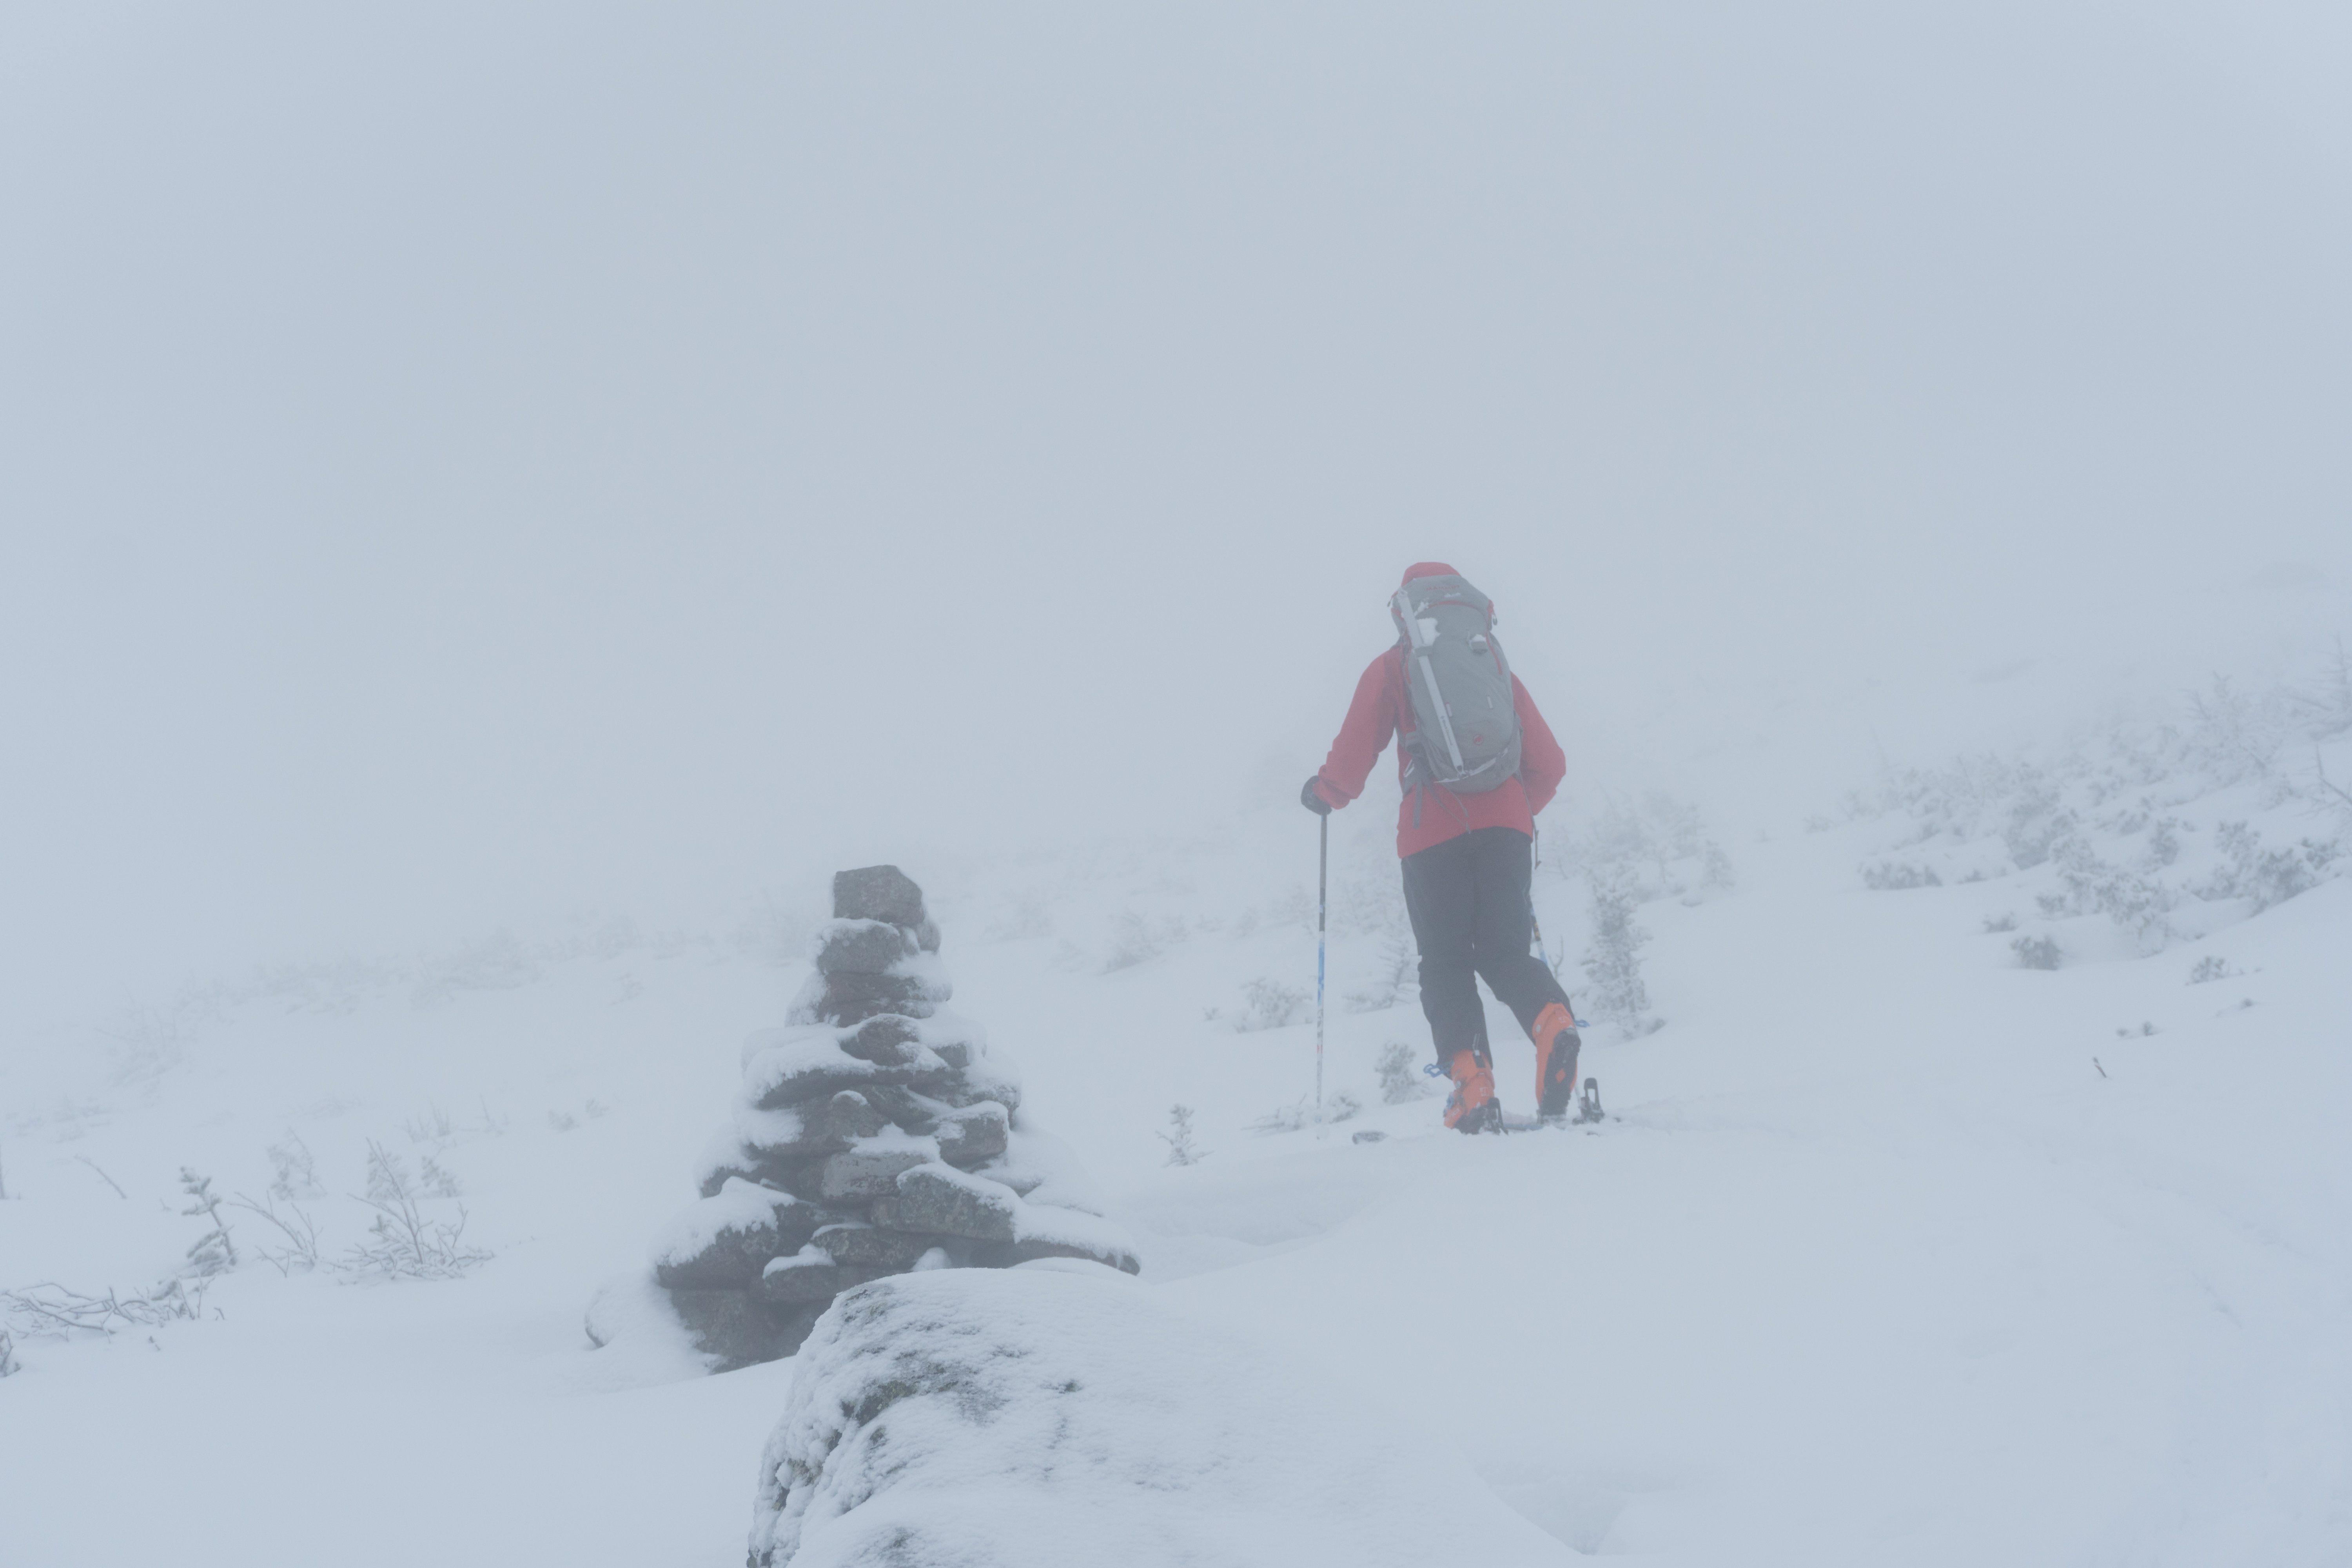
[
  {"x": 881, "y": 893},
  {"x": 722, "y": 1242},
  {"x": 1040, "y": 1418},
  {"x": 941, "y": 1200},
  {"x": 859, "y": 947}
]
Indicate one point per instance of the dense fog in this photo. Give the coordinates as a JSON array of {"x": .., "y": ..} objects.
[{"x": 464, "y": 466}]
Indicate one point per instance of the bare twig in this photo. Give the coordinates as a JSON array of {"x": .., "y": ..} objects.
[
  {"x": 302, "y": 1234},
  {"x": 102, "y": 1176},
  {"x": 2319, "y": 765},
  {"x": 51, "y": 1309}
]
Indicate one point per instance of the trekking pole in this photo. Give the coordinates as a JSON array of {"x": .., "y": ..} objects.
[{"x": 1322, "y": 908}]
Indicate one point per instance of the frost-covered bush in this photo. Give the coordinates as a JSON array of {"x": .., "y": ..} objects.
[
  {"x": 1030, "y": 917},
  {"x": 2271, "y": 877},
  {"x": 2035, "y": 953},
  {"x": 2169, "y": 829},
  {"x": 403, "y": 1241},
  {"x": 1394, "y": 978},
  {"x": 1133, "y": 942},
  {"x": 1287, "y": 1117},
  {"x": 1271, "y": 1004},
  {"x": 2210, "y": 968},
  {"x": 1402, "y": 1079},
  {"x": 1613, "y": 962},
  {"x": 1659, "y": 849}
]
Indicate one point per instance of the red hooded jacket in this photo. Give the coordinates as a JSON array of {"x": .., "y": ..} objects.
[{"x": 1382, "y": 710}]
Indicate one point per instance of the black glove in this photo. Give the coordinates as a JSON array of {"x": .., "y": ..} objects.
[{"x": 1312, "y": 801}]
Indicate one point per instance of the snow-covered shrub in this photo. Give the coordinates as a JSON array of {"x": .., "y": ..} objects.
[
  {"x": 434, "y": 1127},
  {"x": 1613, "y": 962},
  {"x": 2090, "y": 885},
  {"x": 2158, "y": 826},
  {"x": 1994, "y": 927},
  {"x": 1132, "y": 943},
  {"x": 1893, "y": 876},
  {"x": 2271, "y": 877},
  {"x": 1396, "y": 976},
  {"x": 1658, "y": 850},
  {"x": 403, "y": 1242},
  {"x": 1284, "y": 1118},
  {"x": 2036, "y": 952},
  {"x": 1296, "y": 907},
  {"x": 2210, "y": 968},
  {"x": 1271, "y": 1004},
  {"x": 1032, "y": 917},
  {"x": 1342, "y": 1107},
  {"x": 1402, "y": 1079},
  {"x": 7, "y": 1354},
  {"x": 1369, "y": 900},
  {"x": 436, "y": 1178}
]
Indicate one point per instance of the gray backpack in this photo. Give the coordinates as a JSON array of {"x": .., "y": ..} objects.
[{"x": 1466, "y": 726}]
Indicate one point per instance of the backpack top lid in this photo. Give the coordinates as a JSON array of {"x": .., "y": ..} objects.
[{"x": 1430, "y": 587}]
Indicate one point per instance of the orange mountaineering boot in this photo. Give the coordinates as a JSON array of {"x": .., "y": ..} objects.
[
  {"x": 1556, "y": 1048},
  {"x": 1473, "y": 1106}
]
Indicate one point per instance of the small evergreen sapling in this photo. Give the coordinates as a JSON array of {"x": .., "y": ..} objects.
[
  {"x": 214, "y": 1252},
  {"x": 1182, "y": 1148}
]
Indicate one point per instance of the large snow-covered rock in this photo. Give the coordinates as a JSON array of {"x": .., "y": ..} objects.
[{"x": 1062, "y": 1414}]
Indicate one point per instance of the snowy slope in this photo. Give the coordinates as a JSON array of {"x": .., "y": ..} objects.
[{"x": 1875, "y": 1264}]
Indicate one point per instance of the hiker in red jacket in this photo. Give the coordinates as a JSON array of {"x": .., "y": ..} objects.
[{"x": 1477, "y": 762}]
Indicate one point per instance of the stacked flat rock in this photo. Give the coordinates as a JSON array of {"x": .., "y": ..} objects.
[{"x": 872, "y": 1136}]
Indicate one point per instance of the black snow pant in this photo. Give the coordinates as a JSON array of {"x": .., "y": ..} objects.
[{"x": 1467, "y": 900}]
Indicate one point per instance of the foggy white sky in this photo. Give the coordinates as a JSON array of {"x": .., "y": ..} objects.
[{"x": 458, "y": 464}]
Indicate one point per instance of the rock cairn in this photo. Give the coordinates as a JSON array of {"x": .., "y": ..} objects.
[{"x": 872, "y": 1136}]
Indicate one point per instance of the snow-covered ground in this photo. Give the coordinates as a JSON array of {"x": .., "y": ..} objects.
[{"x": 1895, "y": 1250}]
